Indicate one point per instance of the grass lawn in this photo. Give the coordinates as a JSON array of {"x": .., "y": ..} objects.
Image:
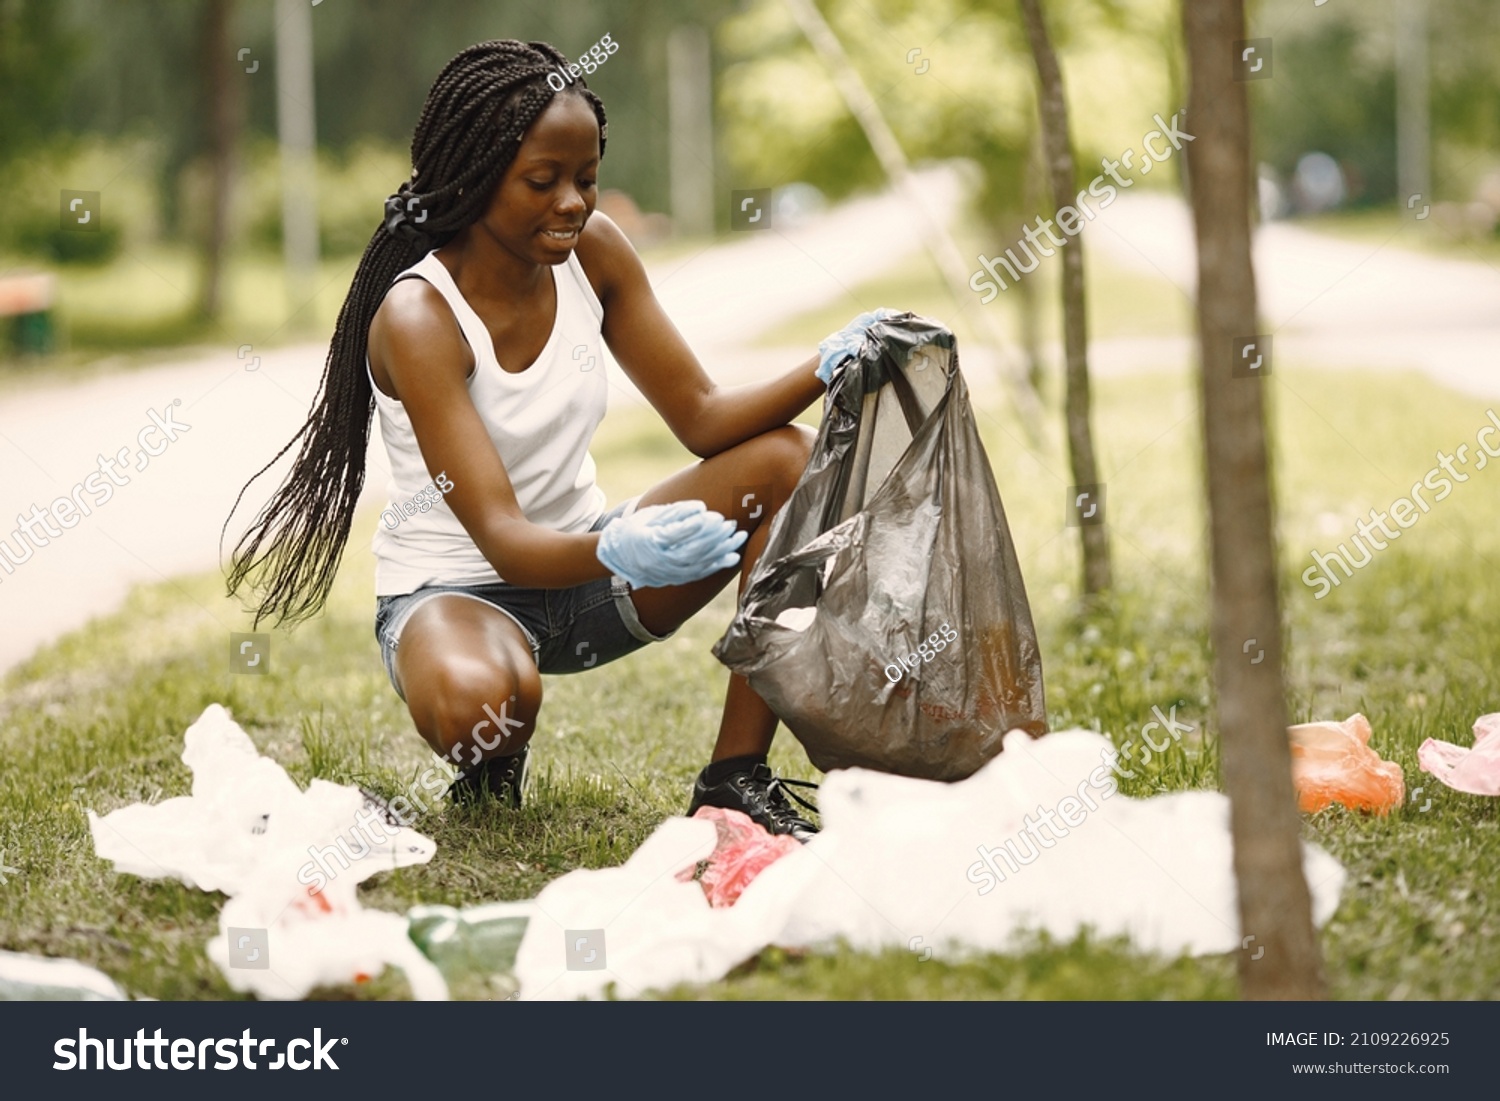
[{"x": 97, "y": 720}]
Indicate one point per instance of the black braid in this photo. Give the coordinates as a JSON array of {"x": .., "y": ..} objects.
[{"x": 471, "y": 127}]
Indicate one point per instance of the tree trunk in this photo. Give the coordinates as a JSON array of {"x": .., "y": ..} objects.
[
  {"x": 1061, "y": 174},
  {"x": 223, "y": 113},
  {"x": 1274, "y": 904},
  {"x": 1026, "y": 301}
]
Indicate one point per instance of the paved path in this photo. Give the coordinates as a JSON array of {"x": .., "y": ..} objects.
[{"x": 1326, "y": 300}]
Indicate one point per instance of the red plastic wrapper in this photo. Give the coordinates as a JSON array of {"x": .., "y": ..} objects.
[
  {"x": 743, "y": 851},
  {"x": 1333, "y": 763}
]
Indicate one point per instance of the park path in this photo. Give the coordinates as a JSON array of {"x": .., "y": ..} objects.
[
  {"x": 1327, "y": 300},
  {"x": 164, "y": 520}
]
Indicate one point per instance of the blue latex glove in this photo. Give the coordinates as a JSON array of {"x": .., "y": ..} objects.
[
  {"x": 670, "y": 544},
  {"x": 838, "y": 348}
]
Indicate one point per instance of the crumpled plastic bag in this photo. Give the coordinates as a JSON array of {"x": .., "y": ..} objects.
[
  {"x": 1332, "y": 762},
  {"x": 638, "y": 926},
  {"x": 906, "y": 863},
  {"x": 743, "y": 850},
  {"x": 886, "y": 622},
  {"x": 1473, "y": 770},
  {"x": 290, "y": 860},
  {"x": 27, "y": 978}
]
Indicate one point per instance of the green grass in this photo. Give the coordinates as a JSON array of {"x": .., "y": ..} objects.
[{"x": 1409, "y": 641}]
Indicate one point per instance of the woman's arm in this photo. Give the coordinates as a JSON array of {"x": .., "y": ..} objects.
[
  {"x": 706, "y": 417},
  {"x": 416, "y": 344}
]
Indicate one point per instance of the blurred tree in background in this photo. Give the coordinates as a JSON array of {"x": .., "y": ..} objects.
[
  {"x": 1334, "y": 91},
  {"x": 112, "y": 96},
  {"x": 37, "y": 52},
  {"x": 109, "y": 91}
]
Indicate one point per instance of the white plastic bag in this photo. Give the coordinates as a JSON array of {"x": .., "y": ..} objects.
[
  {"x": 290, "y": 860},
  {"x": 935, "y": 868}
]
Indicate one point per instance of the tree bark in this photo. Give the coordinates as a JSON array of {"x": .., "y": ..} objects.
[
  {"x": 1274, "y": 903},
  {"x": 1061, "y": 173},
  {"x": 223, "y": 114},
  {"x": 1027, "y": 301}
]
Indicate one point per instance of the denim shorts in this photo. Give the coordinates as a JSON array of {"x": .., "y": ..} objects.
[{"x": 569, "y": 630}]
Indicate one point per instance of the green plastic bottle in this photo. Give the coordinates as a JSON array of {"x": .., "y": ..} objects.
[{"x": 480, "y": 940}]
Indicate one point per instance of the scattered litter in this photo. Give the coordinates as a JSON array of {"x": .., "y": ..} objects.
[
  {"x": 290, "y": 860},
  {"x": 1333, "y": 763},
  {"x": 935, "y": 868},
  {"x": 638, "y": 926},
  {"x": 744, "y": 850},
  {"x": 1039, "y": 839},
  {"x": 1473, "y": 770},
  {"x": 25, "y": 978}
]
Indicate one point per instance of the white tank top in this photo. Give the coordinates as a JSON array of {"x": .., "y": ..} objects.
[{"x": 541, "y": 421}]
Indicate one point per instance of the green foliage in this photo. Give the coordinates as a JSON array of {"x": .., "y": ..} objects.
[
  {"x": 1330, "y": 94},
  {"x": 37, "y": 51},
  {"x": 127, "y": 216},
  {"x": 784, "y": 120},
  {"x": 352, "y": 185},
  {"x": 1334, "y": 90}
]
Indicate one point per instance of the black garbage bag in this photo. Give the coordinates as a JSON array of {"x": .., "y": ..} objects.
[{"x": 886, "y": 622}]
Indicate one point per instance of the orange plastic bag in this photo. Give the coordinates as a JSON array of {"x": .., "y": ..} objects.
[
  {"x": 743, "y": 851},
  {"x": 1333, "y": 763}
]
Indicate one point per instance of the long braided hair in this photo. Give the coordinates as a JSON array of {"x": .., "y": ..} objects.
[{"x": 471, "y": 127}]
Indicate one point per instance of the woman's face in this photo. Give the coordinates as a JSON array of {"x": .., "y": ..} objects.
[{"x": 540, "y": 205}]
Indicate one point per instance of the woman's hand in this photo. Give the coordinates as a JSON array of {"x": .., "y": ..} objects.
[
  {"x": 661, "y": 545},
  {"x": 839, "y": 348}
]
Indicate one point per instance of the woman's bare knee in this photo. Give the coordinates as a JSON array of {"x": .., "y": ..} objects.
[
  {"x": 472, "y": 708},
  {"x": 791, "y": 447}
]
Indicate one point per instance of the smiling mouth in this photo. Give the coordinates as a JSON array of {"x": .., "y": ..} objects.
[{"x": 562, "y": 234}]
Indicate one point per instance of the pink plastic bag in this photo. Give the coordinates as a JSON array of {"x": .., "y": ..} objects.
[
  {"x": 744, "y": 850},
  {"x": 1333, "y": 763},
  {"x": 1476, "y": 770}
]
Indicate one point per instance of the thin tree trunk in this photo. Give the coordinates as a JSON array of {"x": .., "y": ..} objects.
[
  {"x": 1274, "y": 903},
  {"x": 1061, "y": 174},
  {"x": 223, "y": 104},
  {"x": 1026, "y": 302}
]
